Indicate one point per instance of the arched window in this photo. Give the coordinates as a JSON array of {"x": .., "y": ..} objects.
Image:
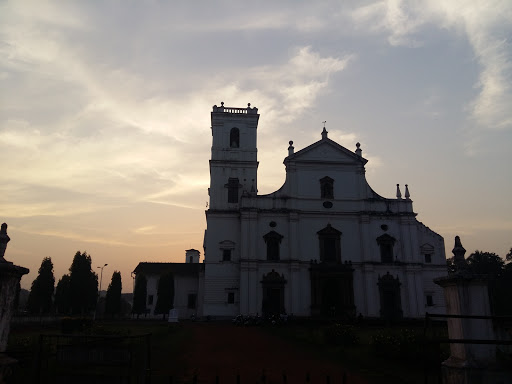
[
  {"x": 386, "y": 244},
  {"x": 273, "y": 240},
  {"x": 327, "y": 188},
  {"x": 330, "y": 248},
  {"x": 234, "y": 138}
]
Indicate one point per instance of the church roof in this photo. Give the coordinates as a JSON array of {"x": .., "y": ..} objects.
[
  {"x": 343, "y": 153},
  {"x": 149, "y": 268}
]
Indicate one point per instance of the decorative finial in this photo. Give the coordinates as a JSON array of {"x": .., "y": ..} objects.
[
  {"x": 290, "y": 148},
  {"x": 324, "y": 123},
  {"x": 458, "y": 256},
  {"x": 407, "y": 194},
  {"x": 324, "y": 134},
  {"x": 359, "y": 151},
  {"x": 222, "y": 103},
  {"x": 249, "y": 105},
  {"x": 398, "y": 193}
]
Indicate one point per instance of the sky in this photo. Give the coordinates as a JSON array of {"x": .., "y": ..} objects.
[{"x": 105, "y": 115}]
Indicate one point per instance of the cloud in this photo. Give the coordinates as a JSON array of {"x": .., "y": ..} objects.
[
  {"x": 486, "y": 24},
  {"x": 118, "y": 132},
  {"x": 392, "y": 16}
]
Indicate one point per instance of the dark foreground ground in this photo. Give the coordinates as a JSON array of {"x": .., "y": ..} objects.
[
  {"x": 256, "y": 355},
  {"x": 220, "y": 352}
]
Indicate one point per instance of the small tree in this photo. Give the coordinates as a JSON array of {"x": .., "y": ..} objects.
[
  {"x": 83, "y": 284},
  {"x": 113, "y": 299},
  {"x": 486, "y": 263},
  {"x": 165, "y": 299},
  {"x": 508, "y": 257},
  {"x": 41, "y": 294},
  {"x": 499, "y": 279},
  {"x": 63, "y": 295},
  {"x": 139, "y": 295}
]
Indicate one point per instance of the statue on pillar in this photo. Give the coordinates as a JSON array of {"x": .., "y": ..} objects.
[{"x": 4, "y": 239}]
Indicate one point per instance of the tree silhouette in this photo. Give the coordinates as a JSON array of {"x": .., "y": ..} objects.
[
  {"x": 498, "y": 275},
  {"x": 508, "y": 257},
  {"x": 139, "y": 295},
  {"x": 113, "y": 299},
  {"x": 486, "y": 263},
  {"x": 63, "y": 295},
  {"x": 41, "y": 294},
  {"x": 83, "y": 284},
  {"x": 499, "y": 279},
  {"x": 165, "y": 299}
]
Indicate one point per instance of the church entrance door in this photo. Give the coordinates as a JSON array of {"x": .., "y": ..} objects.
[
  {"x": 273, "y": 294},
  {"x": 331, "y": 297},
  {"x": 390, "y": 301},
  {"x": 273, "y": 302},
  {"x": 332, "y": 290}
]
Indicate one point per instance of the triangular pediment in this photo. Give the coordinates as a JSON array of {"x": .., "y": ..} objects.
[{"x": 326, "y": 150}]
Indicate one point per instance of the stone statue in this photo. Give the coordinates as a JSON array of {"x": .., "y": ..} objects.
[{"x": 4, "y": 239}]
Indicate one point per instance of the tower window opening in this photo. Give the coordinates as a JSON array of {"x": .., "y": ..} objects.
[
  {"x": 233, "y": 186},
  {"x": 234, "y": 138}
]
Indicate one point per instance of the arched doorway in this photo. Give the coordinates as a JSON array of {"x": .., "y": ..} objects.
[
  {"x": 390, "y": 300},
  {"x": 332, "y": 290},
  {"x": 273, "y": 294}
]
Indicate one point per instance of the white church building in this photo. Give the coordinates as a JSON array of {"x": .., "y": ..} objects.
[{"x": 324, "y": 244}]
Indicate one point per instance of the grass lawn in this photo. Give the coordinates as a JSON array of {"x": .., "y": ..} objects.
[
  {"x": 176, "y": 348},
  {"x": 165, "y": 346},
  {"x": 398, "y": 357}
]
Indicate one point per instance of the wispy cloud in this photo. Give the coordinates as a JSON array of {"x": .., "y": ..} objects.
[{"x": 486, "y": 24}]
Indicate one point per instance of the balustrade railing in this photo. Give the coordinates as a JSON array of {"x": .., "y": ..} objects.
[{"x": 247, "y": 110}]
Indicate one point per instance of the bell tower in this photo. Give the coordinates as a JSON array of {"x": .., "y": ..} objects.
[{"x": 234, "y": 160}]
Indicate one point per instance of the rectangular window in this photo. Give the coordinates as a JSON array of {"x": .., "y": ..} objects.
[
  {"x": 430, "y": 301},
  {"x": 329, "y": 249},
  {"x": 150, "y": 299},
  {"x": 233, "y": 186},
  {"x": 226, "y": 255},
  {"x": 273, "y": 249},
  {"x": 231, "y": 297},
  {"x": 428, "y": 258},
  {"x": 191, "y": 302},
  {"x": 326, "y": 188},
  {"x": 386, "y": 253}
]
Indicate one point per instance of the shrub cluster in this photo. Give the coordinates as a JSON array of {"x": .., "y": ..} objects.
[
  {"x": 75, "y": 324},
  {"x": 405, "y": 344},
  {"x": 340, "y": 335}
]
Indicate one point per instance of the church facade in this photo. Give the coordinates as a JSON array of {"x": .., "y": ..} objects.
[{"x": 324, "y": 244}]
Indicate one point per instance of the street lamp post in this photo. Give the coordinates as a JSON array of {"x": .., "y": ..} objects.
[
  {"x": 101, "y": 275},
  {"x": 99, "y": 292}
]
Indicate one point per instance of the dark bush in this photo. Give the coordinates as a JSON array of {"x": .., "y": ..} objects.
[
  {"x": 404, "y": 344},
  {"x": 340, "y": 335},
  {"x": 74, "y": 324}
]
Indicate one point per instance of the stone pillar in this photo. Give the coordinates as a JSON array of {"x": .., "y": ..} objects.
[
  {"x": 10, "y": 276},
  {"x": 467, "y": 294}
]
